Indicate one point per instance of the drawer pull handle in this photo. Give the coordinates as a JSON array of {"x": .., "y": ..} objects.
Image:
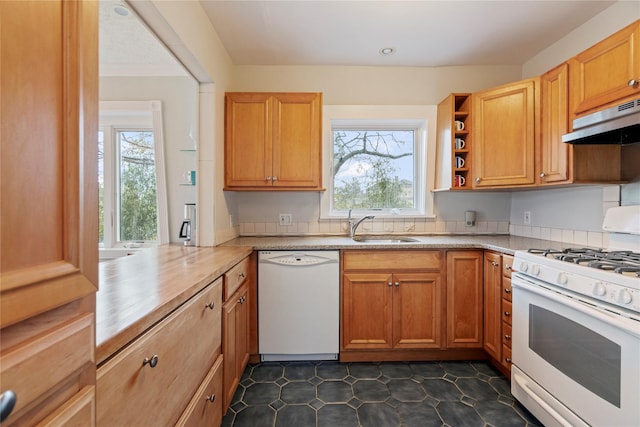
[
  {"x": 210, "y": 305},
  {"x": 7, "y": 403},
  {"x": 210, "y": 398},
  {"x": 151, "y": 362},
  {"x": 507, "y": 290},
  {"x": 506, "y": 313},
  {"x": 507, "y": 337}
]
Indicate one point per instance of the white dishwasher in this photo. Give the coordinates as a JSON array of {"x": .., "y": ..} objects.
[{"x": 298, "y": 305}]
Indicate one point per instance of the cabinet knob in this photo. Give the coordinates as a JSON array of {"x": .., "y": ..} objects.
[
  {"x": 494, "y": 264},
  {"x": 507, "y": 337},
  {"x": 506, "y": 313},
  {"x": 543, "y": 175},
  {"x": 397, "y": 284},
  {"x": 242, "y": 275},
  {"x": 151, "y": 362},
  {"x": 275, "y": 178},
  {"x": 634, "y": 83},
  {"x": 507, "y": 290},
  {"x": 507, "y": 359},
  {"x": 7, "y": 403},
  {"x": 211, "y": 398},
  {"x": 242, "y": 299},
  {"x": 508, "y": 267},
  {"x": 210, "y": 305},
  {"x": 268, "y": 178},
  {"x": 478, "y": 180},
  {"x": 389, "y": 284}
]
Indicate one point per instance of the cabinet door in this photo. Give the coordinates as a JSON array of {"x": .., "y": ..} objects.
[
  {"x": 493, "y": 304},
  {"x": 235, "y": 345},
  {"x": 600, "y": 75},
  {"x": 464, "y": 299},
  {"x": 554, "y": 154},
  {"x": 297, "y": 140},
  {"x": 504, "y": 135},
  {"x": 417, "y": 310},
  {"x": 48, "y": 193},
  {"x": 366, "y": 310},
  {"x": 248, "y": 130}
]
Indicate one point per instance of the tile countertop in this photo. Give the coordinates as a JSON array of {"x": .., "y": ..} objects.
[
  {"x": 138, "y": 291},
  {"x": 501, "y": 243}
]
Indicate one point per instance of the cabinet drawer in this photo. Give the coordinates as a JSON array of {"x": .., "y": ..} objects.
[
  {"x": 235, "y": 277},
  {"x": 506, "y": 356},
  {"x": 205, "y": 409},
  {"x": 506, "y": 311},
  {"x": 80, "y": 410},
  {"x": 394, "y": 260},
  {"x": 47, "y": 360},
  {"x": 506, "y": 334},
  {"x": 507, "y": 265},
  {"x": 152, "y": 380},
  {"x": 506, "y": 288}
]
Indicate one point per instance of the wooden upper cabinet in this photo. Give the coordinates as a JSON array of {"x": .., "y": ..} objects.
[
  {"x": 601, "y": 75},
  {"x": 273, "y": 141},
  {"x": 554, "y": 154},
  {"x": 505, "y": 134},
  {"x": 49, "y": 199}
]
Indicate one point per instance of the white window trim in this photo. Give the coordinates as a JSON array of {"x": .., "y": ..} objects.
[
  {"x": 123, "y": 114},
  {"x": 423, "y": 115}
]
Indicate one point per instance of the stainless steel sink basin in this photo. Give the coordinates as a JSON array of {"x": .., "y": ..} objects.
[{"x": 383, "y": 239}]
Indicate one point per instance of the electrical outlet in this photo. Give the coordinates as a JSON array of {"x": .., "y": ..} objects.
[
  {"x": 285, "y": 219},
  {"x": 527, "y": 218}
]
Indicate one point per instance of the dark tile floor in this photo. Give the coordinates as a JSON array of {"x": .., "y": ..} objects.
[{"x": 390, "y": 394}]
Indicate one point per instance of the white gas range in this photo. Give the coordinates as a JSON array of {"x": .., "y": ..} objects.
[{"x": 576, "y": 329}]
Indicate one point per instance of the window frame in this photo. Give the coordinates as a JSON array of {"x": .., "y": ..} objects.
[
  {"x": 421, "y": 118},
  {"x": 132, "y": 116}
]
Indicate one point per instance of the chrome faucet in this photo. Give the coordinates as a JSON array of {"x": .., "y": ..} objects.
[{"x": 353, "y": 225}]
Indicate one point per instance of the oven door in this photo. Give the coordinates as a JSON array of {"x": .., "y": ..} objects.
[{"x": 573, "y": 363}]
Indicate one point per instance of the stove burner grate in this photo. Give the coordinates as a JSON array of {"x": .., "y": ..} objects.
[{"x": 623, "y": 262}]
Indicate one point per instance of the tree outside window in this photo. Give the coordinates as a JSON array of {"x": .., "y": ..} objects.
[{"x": 373, "y": 169}]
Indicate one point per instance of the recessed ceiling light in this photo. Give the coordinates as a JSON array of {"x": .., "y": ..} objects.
[
  {"x": 121, "y": 10},
  {"x": 386, "y": 51}
]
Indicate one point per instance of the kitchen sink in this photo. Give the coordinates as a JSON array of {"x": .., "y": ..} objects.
[{"x": 383, "y": 239}]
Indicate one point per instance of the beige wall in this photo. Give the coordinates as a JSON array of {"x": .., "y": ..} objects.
[
  {"x": 612, "y": 19},
  {"x": 345, "y": 85}
]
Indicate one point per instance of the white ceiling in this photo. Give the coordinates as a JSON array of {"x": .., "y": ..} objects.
[{"x": 306, "y": 32}]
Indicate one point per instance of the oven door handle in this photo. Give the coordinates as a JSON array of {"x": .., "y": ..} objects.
[{"x": 628, "y": 325}]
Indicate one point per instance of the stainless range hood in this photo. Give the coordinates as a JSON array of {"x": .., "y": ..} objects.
[{"x": 616, "y": 125}]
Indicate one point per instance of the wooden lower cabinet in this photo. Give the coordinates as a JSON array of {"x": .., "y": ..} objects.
[
  {"x": 507, "y": 314},
  {"x": 492, "y": 290},
  {"x": 153, "y": 379},
  {"x": 391, "y": 300},
  {"x": 464, "y": 299},
  {"x": 236, "y": 341}
]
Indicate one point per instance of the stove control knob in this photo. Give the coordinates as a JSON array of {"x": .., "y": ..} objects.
[
  {"x": 624, "y": 296},
  {"x": 599, "y": 289},
  {"x": 535, "y": 270},
  {"x": 563, "y": 278},
  {"x": 524, "y": 266}
]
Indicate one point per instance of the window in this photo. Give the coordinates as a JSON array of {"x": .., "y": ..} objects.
[
  {"x": 130, "y": 175},
  {"x": 378, "y": 159}
]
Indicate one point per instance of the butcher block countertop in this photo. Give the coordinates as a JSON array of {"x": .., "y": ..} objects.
[{"x": 138, "y": 291}]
